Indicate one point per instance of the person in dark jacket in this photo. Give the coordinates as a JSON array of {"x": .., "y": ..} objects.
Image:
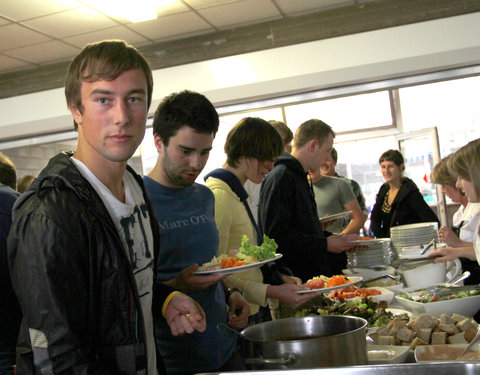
[
  {"x": 398, "y": 201},
  {"x": 287, "y": 211},
  {"x": 84, "y": 241},
  {"x": 10, "y": 312}
]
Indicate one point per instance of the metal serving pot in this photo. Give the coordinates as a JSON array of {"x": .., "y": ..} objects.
[{"x": 306, "y": 342}]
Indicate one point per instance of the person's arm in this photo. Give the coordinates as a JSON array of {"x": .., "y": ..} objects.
[
  {"x": 238, "y": 309},
  {"x": 187, "y": 282},
  {"x": 450, "y": 238},
  {"x": 449, "y": 253},
  {"x": 183, "y": 314},
  {"x": 287, "y": 293},
  {"x": 358, "y": 219},
  {"x": 50, "y": 276}
]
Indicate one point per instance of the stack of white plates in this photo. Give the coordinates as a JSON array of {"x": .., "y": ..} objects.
[
  {"x": 371, "y": 253},
  {"x": 412, "y": 235}
]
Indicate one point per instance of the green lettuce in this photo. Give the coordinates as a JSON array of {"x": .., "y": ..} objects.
[{"x": 261, "y": 252}]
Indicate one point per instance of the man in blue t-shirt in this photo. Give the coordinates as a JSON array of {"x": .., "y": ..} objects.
[{"x": 184, "y": 127}]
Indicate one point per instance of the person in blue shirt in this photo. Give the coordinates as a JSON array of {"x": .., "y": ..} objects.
[{"x": 184, "y": 127}]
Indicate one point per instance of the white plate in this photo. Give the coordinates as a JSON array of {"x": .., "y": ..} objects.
[
  {"x": 401, "y": 354},
  {"x": 354, "y": 280},
  {"x": 335, "y": 216},
  {"x": 386, "y": 295},
  {"x": 414, "y": 226},
  {"x": 246, "y": 267},
  {"x": 373, "y": 241}
]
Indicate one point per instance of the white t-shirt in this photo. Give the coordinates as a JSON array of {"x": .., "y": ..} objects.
[
  {"x": 468, "y": 217},
  {"x": 133, "y": 225},
  {"x": 253, "y": 191},
  {"x": 476, "y": 243}
]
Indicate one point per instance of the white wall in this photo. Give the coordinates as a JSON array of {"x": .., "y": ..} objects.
[{"x": 393, "y": 52}]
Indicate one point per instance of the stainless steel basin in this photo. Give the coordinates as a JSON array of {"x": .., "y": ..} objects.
[{"x": 439, "y": 368}]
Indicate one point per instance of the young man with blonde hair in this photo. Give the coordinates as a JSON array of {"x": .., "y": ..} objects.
[{"x": 84, "y": 241}]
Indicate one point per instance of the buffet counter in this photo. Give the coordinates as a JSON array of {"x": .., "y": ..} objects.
[{"x": 444, "y": 368}]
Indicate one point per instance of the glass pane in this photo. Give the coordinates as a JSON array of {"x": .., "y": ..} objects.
[
  {"x": 344, "y": 114},
  {"x": 417, "y": 153},
  {"x": 451, "y": 106}
]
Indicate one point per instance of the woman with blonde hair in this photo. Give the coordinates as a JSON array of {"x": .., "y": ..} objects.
[
  {"x": 465, "y": 219},
  {"x": 465, "y": 164}
]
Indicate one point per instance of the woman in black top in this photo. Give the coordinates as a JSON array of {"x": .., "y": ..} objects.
[{"x": 398, "y": 201}]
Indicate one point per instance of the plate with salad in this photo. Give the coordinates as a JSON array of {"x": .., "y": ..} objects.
[
  {"x": 247, "y": 257},
  {"x": 326, "y": 284}
]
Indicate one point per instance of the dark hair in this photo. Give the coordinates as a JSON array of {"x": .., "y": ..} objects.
[
  {"x": 252, "y": 137},
  {"x": 8, "y": 173},
  {"x": 312, "y": 129},
  {"x": 283, "y": 130},
  {"x": 186, "y": 108},
  {"x": 392, "y": 155},
  {"x": 104, "y": 60},
  {"x": 334, "y": 155}
]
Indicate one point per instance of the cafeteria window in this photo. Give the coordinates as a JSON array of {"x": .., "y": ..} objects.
[{"x": 450, "y": 106}]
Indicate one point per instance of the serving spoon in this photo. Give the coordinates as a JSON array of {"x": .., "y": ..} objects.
[
  {"x": 436, "y": 288},
  {"x": 223, "y": 326}
]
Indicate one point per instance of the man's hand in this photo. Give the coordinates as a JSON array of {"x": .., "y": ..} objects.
[
  {"x": 184, "y": 315},
  {"x": 287, "y": 293},
  {"x": 238, "y": 310},
  {"x": 291, "y": 279},
  {"x": 187, "y": 282},
  {"x": 337, "y": 244}
]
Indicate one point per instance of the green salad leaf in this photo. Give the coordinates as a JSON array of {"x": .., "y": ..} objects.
[{"x": 261, "y": 252}]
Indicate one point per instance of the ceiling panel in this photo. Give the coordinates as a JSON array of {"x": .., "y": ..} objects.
[
  {"x": 117, "y": 32},
  {"x": 240, "y": 13},
  {"x": 23, "y": 37},
  {"x": 173, "y": 7},
  {"x": 72, "y": 22},
  {"x": 296, "y": 7},
  {"x": 8, "y": 64},
  {"x": 171, "y": 26},
  {"x": 20, "y": 10},
  {"x": 48, "y": 52},
  {"x": 200, "y": 4}
]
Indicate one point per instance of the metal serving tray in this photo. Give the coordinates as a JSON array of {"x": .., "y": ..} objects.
[{"x": 437, "y": 368}]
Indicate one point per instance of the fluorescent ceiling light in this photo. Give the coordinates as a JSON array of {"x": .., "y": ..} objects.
[{"x": 134, "y": 11}]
